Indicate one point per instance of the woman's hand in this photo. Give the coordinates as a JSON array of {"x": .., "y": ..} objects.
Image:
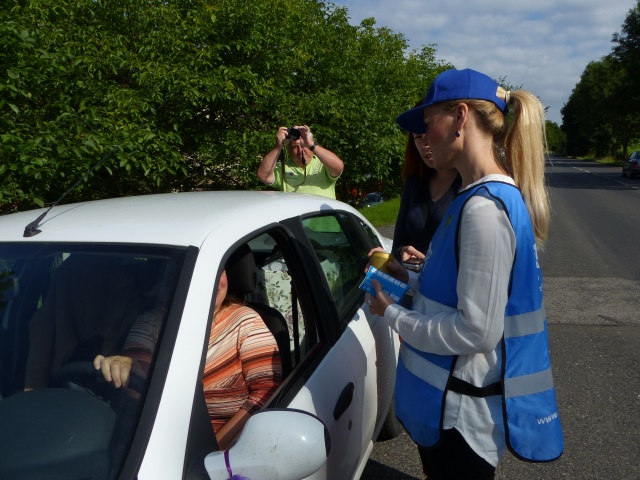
[
  {"x": 116, "y": 369},
  {"x": 410, "y": 254},
  {"x": 379, "y": 303},
  {"x": 371, "y": 252},
  {"x": 395, "y": 269}
]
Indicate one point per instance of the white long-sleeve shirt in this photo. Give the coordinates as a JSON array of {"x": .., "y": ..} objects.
[{"x": 474, "y": 329}]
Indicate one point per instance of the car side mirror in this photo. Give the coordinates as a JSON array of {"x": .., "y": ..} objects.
[{"x": 274, "y": 445}]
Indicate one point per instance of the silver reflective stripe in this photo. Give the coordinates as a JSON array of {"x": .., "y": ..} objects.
[
  {"x": 424, "y": 369},
  {"x": 524, "y": 324},
  {"x": 528, "y": 384}
]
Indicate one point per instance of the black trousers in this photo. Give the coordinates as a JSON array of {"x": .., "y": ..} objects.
[{"x": 454, "y": 459}]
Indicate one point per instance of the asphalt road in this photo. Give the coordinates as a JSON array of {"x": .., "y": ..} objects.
[{"x": 592, "y": 296}]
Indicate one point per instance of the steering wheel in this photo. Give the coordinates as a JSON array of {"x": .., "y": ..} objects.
[{"x": 85, "y": 375}]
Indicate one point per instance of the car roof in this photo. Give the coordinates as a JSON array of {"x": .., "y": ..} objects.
[{"x": 166, "y": 219}]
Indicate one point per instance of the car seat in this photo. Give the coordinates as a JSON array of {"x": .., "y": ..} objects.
[{"x": 242, "y": 278}]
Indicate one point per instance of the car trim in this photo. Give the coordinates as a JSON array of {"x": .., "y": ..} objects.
[
  {"x": 158, "y": 374},
  {"x": 307, "y": 267},
  {"x": 304, "y": 267}
]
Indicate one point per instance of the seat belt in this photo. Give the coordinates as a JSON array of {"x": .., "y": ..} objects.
[{"x": 296, "y": 330}]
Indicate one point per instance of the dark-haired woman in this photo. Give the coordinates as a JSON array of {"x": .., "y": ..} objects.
[{"x": 426, "y": 195}]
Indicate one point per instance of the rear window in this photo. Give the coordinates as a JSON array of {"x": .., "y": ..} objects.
[{"x": 61, "y": 305}]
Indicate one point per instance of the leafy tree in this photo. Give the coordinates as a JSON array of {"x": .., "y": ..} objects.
[
  {"x": 627, "y": 47},
  {"x": 556, "y": 139},
  {"x": 596, "y": 118},
  {"x": 626, "y": 104},
  {"x": 583, "y": 113},
  {"x": 188, "y": 94},
  {"x": 77, "y": 86},
  {"x": 601, "y": 116}
]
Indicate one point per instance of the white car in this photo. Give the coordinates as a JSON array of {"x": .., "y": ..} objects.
[{"x": 72, "y": 282}]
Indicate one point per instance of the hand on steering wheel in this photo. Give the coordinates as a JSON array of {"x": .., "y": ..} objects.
[
  {"x": 116, "y": 369},
  {"x": 85, "y": 375}
]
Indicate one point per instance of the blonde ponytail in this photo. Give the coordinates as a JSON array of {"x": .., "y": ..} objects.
[
  {"x": 525, "y": 148},
  {"x": 522, "y": 138}
]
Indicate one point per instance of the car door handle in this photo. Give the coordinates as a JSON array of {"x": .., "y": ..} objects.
[{"x": 344, "y": 400}]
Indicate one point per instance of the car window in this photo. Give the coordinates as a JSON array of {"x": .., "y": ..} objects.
[
  {"x": 282, "y": 284},
  {"x": 265, "y": 274},
  {"x": 275, "y": 288},
  {"x": 371, "y": 235},
  {"x": 342, "y": 252},
  {"x": 62, "y": 305}
]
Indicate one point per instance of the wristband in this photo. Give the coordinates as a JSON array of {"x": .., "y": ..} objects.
[{"x": 313, "y": 147}]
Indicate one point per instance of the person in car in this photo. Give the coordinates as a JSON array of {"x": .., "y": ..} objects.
[
  {"x": 81, "y": 315},
  {"x": 306, "y": 167},
  {"x": 426, "y": 194},
  {"x": 242, "y": 368},
  {"x": 474, "y": 373}
]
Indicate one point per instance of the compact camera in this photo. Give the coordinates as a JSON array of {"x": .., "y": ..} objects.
[{"x": 293, "y": 134}]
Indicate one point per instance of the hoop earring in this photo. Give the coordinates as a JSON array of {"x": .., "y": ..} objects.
[{"x": 457, "y": 133}]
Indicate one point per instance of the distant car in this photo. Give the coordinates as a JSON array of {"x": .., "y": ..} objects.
[
  {"x": 631, "y": 166},
  {"x": 72, "y": 283},
  {"x": 372, "y": 199}
]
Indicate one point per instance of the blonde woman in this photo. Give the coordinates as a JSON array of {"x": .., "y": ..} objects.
[{"x": 474, "y": 375}]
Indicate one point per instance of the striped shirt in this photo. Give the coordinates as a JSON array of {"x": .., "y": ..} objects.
[
  {"x": 243, "y": 367},
  {"x": 142, "y": 339}
]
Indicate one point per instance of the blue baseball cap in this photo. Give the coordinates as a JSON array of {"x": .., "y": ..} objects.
[{"x": 452, "y": 85}]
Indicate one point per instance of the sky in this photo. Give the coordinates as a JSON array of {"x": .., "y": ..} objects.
[{"x": 539, "y": 45}]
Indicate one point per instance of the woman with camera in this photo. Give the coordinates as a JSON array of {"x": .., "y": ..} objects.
[{"x": 306, "y": 167}]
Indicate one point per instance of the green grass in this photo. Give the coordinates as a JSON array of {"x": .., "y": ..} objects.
[
  {"x": 604, "y": 160},
  {"x": 383, "y": 214}
]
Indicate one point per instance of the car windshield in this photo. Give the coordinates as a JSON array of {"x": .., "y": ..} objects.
[{"x": 61, "y": 305}]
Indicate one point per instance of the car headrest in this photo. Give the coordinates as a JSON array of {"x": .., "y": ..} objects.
[{"x": 241, "y": 271}]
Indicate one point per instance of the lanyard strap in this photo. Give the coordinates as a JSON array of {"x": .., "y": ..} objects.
[{"x": 226, "y": 461}]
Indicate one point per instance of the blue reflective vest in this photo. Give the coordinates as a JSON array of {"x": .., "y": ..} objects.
[{"x": 532, "y": 425}]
